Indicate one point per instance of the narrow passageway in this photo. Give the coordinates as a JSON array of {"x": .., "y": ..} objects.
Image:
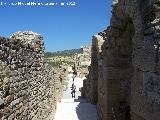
[{"x": 75, "y": 108}]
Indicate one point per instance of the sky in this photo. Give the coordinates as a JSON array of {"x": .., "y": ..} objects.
[{"x": 63, "y": 27}]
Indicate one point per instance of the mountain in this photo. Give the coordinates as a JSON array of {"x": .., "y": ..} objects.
[{"x": 63, "y": 53}]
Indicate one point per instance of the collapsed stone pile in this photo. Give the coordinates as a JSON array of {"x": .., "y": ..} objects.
[
  {"x": 29, "y": 88},
  {"x": 124, "y": 77}
]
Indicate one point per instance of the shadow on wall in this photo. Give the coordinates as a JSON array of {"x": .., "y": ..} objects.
[{"x": 85, "y": 110}]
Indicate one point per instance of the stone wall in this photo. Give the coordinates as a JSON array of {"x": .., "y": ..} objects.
[
  {"x": 91, "y": 83},
  {"x": 82, "y": 61},
  {"x": 29, "y": 88},
  {"x": 129, "y": 78}
]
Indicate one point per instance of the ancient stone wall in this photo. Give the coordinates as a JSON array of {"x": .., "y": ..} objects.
[
  {"x": 91, "y": 83},
  {"x": 128, "y": 79},
  {"x": 82, "y": 61},
  {"x": 29, "y": 88}
]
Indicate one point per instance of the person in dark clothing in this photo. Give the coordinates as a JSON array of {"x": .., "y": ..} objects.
[
  {"x": 73, "y": 88},
  {"x": 74, "y": 70}
]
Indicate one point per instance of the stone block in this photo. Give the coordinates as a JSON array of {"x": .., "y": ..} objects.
[{"x": 144, "y": 58}]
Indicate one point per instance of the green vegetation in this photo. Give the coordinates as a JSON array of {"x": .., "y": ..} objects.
[
  {"x": 61, "y": 58},
  {"x": 60, "y": 63},
  {"x": 63, "y": 53}
]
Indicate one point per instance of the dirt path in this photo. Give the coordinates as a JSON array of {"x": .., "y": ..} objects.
[{"x": 75, "y": 109}]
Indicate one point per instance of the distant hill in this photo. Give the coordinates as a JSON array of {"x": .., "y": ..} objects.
[{"x": 63, "y": 53}]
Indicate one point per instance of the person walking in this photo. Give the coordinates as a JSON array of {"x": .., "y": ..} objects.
[
  {"x": 74, "y": 70},
  {"x": 73, "y": 88}
]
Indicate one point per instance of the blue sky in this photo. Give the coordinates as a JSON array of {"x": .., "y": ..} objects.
[{"x": 63, "y": 27}]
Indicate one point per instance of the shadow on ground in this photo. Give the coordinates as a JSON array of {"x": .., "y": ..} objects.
[
  {"x": 80, "y": 99},
  {"x": 85, "y": 110}
]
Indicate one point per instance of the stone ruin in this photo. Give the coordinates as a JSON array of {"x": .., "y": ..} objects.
[
  {"x": 124, "y": 76},
  {"x": 83, "y": 60},
  {"x": 29, "y": 87}
]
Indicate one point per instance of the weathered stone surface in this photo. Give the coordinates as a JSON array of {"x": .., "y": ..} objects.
[
  {"x": 127, "y": 69},
  {"x": 1, "y": 101},
  {"x": 29, "y": 88},
  {"x": 82, "y": 61}
]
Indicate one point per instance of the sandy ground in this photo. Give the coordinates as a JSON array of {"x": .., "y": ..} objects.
[{"x": 77, "y": 108}]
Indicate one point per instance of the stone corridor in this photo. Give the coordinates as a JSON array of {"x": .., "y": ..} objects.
[
  {"x": 123, "y": 80},
  {"x": 75, "y": 109}
]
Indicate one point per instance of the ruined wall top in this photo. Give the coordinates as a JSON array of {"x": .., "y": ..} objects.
[
  {"x": 114, "y": 2},
  {"x": 98, "y": 40},
  {"x": 27, "y": 37},
  {"x": 86, "y": 49},
  {"x": 29, "y": 87}
]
